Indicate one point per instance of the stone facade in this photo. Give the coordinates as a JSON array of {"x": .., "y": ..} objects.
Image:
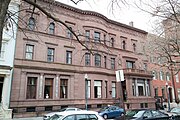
[{"x": 51, "y": 62}]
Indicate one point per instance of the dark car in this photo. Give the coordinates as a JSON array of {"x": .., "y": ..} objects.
[
  {"x": 111, "y": 112},
  {"x": 143, "y": 114}
]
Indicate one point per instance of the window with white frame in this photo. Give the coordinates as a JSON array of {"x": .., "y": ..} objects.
[
  {"x": 87, "y": 59},
  {"x": 97, "y": 88},
  {"x": 97, "y": 37},
  {"x": 51, "y": 28},
  {"x": 31, "y": 23},
  {"x": 168, "y": 76},
  {"x": 68, "y": 57},
  {"x": 89, "y": 88},
  {"x": 50, "y": 55},
  {"x": 87, "y": 35},
  {"x": 177, "y": 78},
  {"x": 29, "y": 51},
  {"x": 154, "y": 75},
  {"x": 97, "y": 60},
  {"x": 113, "y": 89},
  {"x": 112, "y": 63},
  {"x": 148, "y": 91},
  {"x": 2, "y": 52},
  {"x": 161, "y": 74}
]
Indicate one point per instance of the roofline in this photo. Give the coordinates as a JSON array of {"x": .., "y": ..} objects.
[{"x": 92, "y": 13}]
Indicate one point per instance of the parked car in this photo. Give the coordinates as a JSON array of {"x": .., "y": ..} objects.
[
  {"x": 173, "y": 112},
  {"x": 143, "y": 114},
  {"x": 45, "y": 117},
  {"x": 111, "y": 112},
  {"x": 76, "y": 115}
]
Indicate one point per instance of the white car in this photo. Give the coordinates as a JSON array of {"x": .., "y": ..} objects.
[
  {"x": 45, "y": 117},
  {"x": 76, "y": 115}
]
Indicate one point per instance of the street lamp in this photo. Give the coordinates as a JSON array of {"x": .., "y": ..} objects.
[
  {"x": 86, "y": 89},
  {"x": 168, "y": 98}
]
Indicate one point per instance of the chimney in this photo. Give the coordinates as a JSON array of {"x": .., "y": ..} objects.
[{"x": 131, "y": 24}]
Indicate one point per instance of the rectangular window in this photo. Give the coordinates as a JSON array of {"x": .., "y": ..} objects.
[
  {"x": 29, "y": 51},
  {"x": 141, "y": 90},
  {"x": 133, "y": 88},
  {"x": 69, "y": 33},
  {"x": 130, "y": 64},
  {"x": 104, "y": 39},
  {"x": 113, "y": 89},
  {"x": 105, "y": 89},
  {"x": 97, "y": 60},
  {"x": 97, "y": 89},
  {"x": 63, "y": 88},
  {"x": 105, "y": 62},
  {"x": 112, "y": 63},
  {"x": 50, "y": 55},
  {"x": 87, "y": 35},
  {"x": 48, "y": 88},
  {"x": 156, "y": 92},
  {"x": 89, "y": 89},
  {"x": 87, "y": 59},
  {"x": 2, "y": 52},
  {"x": 68, "y": 57},
  {"x": 163, "y": 93},
  {"x": 97, "y": 37},
  {"x": 31, "y": 87},
  {"x": 177, "y": 78}
]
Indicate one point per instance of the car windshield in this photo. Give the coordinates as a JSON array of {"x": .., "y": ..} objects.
[
  {"x": 135, "y": 113},
  {"x": 56, "y": 117},
  {"x": 175, "y": 110},
  {"x": 104, "y": 108}
]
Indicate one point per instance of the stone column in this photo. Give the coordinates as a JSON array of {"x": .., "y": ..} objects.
[{"x": 41, "y": 86}]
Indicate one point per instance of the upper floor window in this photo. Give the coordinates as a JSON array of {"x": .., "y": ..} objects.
[
  {"x": 2, "y": 52},
  {"x": 105, "y": 62},
  {"x": 87, "y": 59},
  {"x": 154, "y": 75},
  {"x": 87, "y": 35},
  {"x": 161, "y": 75},
  {"x": 69, "y": 33},
  {"x": 112, "y": 42},
  {"x": 97, "y": 60},
  {"x": 51, "y": 28},
  {"x": 177, "y": 78},
  {"x": 112, "y": 63},
  {"x": 156, "y": 92},
  {"x": 123, "y": 45},
  {"x": 63, "y": 88},
  {"x": 31, "y": 23},
  {"x": 96, "y": 37},
  {"x": 104, "y": 39},
  {"x": 134, "y": 47},
  {"x": 31, "y": 87},
  {"x": 167, "y": 76},
  {"x": 130, "y": 64},
  {"x": 29, "y": 51},
  {"x": 50, "y": 55},
  {"x": 68, "y": 57}
]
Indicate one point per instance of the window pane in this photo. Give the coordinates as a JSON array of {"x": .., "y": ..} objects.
[
  {"x": 51, "y": 28},
  {"x": 96, "y": 36},
  {"x": 50, "y": 55},
  {"x": 29, "y": 51},
  {"x": 87, "y": 59},
  {"x": 112, "y": 63},
  {"x": 97, "y": 60},
  {"x": 31, "y": 87},
  {"x": 63, "y": 88},
  {"x": 31, "y": 23},
  {"x": 48, "y": 88},
  {"x": 69, "y": 57}
]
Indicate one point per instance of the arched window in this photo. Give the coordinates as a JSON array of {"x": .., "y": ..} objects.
[
  {"x": 123, "y": 45},
  {"x": 97, "y": 60},
  {"x": 31, "y": 23},
  {"x": 51, "y": 28}
]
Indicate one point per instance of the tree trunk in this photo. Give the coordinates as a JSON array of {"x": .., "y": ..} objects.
[{"x": 3, "y": 10}]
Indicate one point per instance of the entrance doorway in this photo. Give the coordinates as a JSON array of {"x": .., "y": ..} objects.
[{"x": 1, "y": 87}]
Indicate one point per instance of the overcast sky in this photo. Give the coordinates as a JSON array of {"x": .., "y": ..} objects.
[{"x": 123, "y": 14}]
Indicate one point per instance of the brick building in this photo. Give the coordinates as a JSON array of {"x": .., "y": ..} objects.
[{"x": 50, "y": 64}]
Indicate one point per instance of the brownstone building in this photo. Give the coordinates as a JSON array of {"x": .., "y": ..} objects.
[{"x": 50, "y": 64}]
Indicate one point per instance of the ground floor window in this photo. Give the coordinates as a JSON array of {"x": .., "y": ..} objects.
[
  {"x": 97, "y": 89},
  {"x": 63, "y": 88},
  {"x": 31, "y": 87},
  {"x": 48, "y": 88}
]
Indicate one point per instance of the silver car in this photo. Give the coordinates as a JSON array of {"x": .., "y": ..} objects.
[
  {"x": 47, "y": 116},
  {"x": 76, "y": 115}
]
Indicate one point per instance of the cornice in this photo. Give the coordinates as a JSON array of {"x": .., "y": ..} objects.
[{"x": 92, "y": 13}]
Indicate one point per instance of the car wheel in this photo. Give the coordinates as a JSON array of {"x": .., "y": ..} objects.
[
  {"x": 105, "y": 116},
  {"x": 122, "y": 114}
]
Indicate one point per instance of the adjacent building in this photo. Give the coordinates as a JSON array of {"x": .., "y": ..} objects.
[
  {"x": 51, "y": 66},
  {"x": 7, "y": 59}
]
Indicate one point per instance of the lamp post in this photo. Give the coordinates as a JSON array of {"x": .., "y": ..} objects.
[
  {"x": 86, "y": 90},
  {"x": 168, "y": 98}
]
